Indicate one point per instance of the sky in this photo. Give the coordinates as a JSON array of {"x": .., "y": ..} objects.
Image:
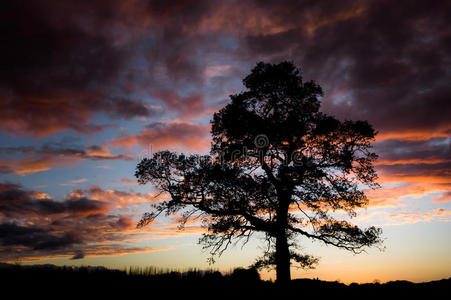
[{"x": 88, "y": 88}]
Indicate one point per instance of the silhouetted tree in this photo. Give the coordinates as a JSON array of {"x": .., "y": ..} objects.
[{"x": 277, "y": 166}]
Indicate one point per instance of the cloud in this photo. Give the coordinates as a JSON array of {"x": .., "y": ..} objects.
[
  {"x": 127, "y": 181},
  {"x": 417, "y": 167},
  {"x": 16, "y": 202},
  {"x": 400, "y": 217},
  {"x": 412, "y": 217},
  {"x": 158, "y": 136},
  {"x": 78, "y": 255},
  {"x": 74, "y": 182},
  {"x": 86, "y": 223},
  {"x": 116, "y": 198},
  {"x": 188, "y": 107},
  {"x": 384, "y": 61},
  {"x": 32, "y": 159},
  {"x": 42, "y": 186},
  {"x": 430, "y": 158},
  {"x": 34, "y": 238},
  {"x": 104, "y": 166},
  {"x": 444, "y": 197},
  {"x": 171, "y": 63},
  {"x": 392, "y": 196},
  {"x": 213, "y": 71},
  {"x": 58, "y": 72},
  {"x": 389, "y": 60},
  {"x": 403, "y": 152},
  {"x": 112, "y": 250},
  {"x": 72, "y": 69}
]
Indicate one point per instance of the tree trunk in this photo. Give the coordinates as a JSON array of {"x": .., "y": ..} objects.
[{"x": 282, "y": 259}]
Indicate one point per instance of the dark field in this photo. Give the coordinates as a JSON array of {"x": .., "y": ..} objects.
[{"x": 51, "y": 281}]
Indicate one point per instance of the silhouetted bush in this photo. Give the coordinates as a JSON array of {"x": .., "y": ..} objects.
[{"x": 247, "y": 275}]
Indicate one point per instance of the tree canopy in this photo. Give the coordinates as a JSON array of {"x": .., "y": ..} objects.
[{"x": 279, "y": 166}]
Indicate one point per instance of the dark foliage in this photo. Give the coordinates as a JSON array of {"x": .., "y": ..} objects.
[{"x": 277, "y": 166}]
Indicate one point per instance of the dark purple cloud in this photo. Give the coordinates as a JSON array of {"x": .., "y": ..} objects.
[
  {"x": 78, "y": 255},
  {"x": 32, "y": 224},
  {"x": 35, "y": 238},
  {"x": 435, "y": 149},
  {"x": 59, "y": 69},
  {"x": 382, "y": 61},
  {"x": 16, "y": 202}
]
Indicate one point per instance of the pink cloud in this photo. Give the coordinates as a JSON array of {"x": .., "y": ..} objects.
[{"x": 159, "y": 136}]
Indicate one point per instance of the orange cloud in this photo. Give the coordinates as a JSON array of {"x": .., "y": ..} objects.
[
  {"x": 413, "y": 161},
  {"x": 119, "y": 199},
  {"x": 159, "y": 136},
  {"x": 412, "y": 180},
  {"x": 422, "y": 134},
  {"x": 30, "y": 166},
  {"x": 97, "y": 251},
  {"x": 391, "y": 196},
  {"x": 35, "y": 160},
  {"x": 436, "y": 177},
  {"x": 161, "y": 232},
  {"x": 108, "y": 250},
  {"x": 444, "y": 197},
  {"x": 401, "y": 218}
]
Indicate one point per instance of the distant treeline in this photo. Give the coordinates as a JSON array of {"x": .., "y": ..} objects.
[
  {"x": 132, "y": 273},
  {"x": 50, "y": 279}
]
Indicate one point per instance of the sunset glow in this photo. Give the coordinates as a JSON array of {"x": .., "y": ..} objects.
[{"x": 86, "y": 94}]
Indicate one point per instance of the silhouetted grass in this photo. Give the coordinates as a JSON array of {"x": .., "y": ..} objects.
[{"x": 150, "y": 281}]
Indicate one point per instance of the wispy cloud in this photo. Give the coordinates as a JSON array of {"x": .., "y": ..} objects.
[
  {"x": 74, "y": 182},
  {"x": 29, "y": 160}
]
